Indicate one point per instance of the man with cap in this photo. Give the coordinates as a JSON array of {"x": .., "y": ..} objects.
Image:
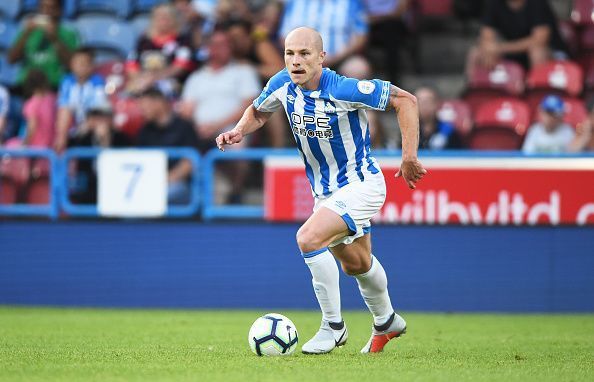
[{"x": 550, "y": 134}]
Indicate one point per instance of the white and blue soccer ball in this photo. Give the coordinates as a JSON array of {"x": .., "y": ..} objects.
[{"x": 273, "y": 334}]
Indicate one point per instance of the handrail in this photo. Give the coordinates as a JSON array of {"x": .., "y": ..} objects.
[
  {"x": 91, "y": 209},
  {"x": 51, "y": 209}
]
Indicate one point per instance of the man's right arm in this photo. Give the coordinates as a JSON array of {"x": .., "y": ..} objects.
[{"x": 251, "y": 121}]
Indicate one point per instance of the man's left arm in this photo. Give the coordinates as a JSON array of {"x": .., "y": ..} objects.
[{"x": 407, "y": 112}]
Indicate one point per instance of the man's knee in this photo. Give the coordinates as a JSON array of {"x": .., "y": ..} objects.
[
  {"x": 356, "y": 265},
  {"x": 308, "y": 240}
]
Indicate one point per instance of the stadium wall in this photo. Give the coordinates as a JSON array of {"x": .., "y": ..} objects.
[{"x": 257, "y": 265}]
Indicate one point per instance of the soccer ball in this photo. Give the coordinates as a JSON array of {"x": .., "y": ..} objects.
[{"x": 273, "y": 334}]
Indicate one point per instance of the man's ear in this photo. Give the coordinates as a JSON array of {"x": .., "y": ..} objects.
[{"x": 322, "y": 56}]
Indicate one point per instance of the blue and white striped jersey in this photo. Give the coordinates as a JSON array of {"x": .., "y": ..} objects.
[
  {"x": 338, "y": 21},
  {"x": 329, "y": 125}
]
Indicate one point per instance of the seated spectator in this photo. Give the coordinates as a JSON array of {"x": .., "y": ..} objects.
[
  {"x": 44, "y": 44},
  {"x": 163, "y": 128},
  {"x": 163, "y": 57},
  {"x": 216, "y": 96},
  {"x": 79, "y": 92},
  {"x": 341, "y": 23},
  {"x": 97, "y": 130},
  {"x": 434, "y": 133},
  {"x": 550, "y": 135},
  {"x": 584, "y": 138},
  {"x": 39, "y": 111},
  {"x": 524, "y": 31},
  {"x": 4, "y": 107}
]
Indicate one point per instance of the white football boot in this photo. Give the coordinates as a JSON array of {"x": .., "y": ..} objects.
[
  {"x": 330, "y": 336},
  {"x": 381, "y": 334}
]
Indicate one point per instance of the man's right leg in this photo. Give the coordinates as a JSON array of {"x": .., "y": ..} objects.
[{"x": 321, "y": 229}]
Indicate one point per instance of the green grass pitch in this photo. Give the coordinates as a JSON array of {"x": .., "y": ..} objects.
[{"x": 39, "y": 344}]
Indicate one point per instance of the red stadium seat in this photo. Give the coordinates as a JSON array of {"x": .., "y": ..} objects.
[
  {"x": 38, "y": 191},
  {"x": 114, "y": 74},
  {"x": 456, "y": 112},
  {"x": 564, "y": 78},
  {"x": 435, "y": 8},
  {"x": 500, "y": 124},
  {"x": 505, "y": 79},
  {"x": 575, "y": 112},
  {"x": 127, "y": 116},
  {"x": 8, "y": 191},
  {"x": 15, "y": 169},
  {"x": 582, "y": 12}
]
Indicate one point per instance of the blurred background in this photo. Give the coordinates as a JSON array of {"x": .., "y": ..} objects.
[{"x": 111, "y": 193}]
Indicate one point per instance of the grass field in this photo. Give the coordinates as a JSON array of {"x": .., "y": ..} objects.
[{"x": 142, "y": 345}]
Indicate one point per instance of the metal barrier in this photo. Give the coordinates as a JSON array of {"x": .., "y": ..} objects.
[
  {"x": 51, "y": 209},
  {"x": 91, "y": 209}
]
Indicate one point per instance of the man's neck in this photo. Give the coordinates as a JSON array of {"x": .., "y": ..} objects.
[
  {"x": 314, "y": 83},
  {"x": 164, "y": 119}
]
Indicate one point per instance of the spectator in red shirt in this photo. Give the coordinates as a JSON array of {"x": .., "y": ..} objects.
[
  {"x": 163, "y": 56},
  {"x": 39, "y": 111}
]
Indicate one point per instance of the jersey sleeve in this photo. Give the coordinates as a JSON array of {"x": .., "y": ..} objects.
[
  {"x": 364, "y": 94},
  {"x": 268, "y": 100}
]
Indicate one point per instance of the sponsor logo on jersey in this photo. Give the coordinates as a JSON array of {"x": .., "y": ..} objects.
[
  {"x": 366, "y": 87},
  {"x": 300, "y": 122}
]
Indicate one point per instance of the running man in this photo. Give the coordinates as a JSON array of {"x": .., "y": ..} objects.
[{"x": 327, "y": 116}]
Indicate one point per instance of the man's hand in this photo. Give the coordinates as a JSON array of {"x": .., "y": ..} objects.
[
  {"x": 412, "y": 171},
  {"x": 229, "y": 138}
]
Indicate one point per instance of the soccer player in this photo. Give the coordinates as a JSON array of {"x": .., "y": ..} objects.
[{"x": 327, "y": 116}]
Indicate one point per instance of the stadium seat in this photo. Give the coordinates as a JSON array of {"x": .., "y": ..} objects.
[
  {"x": 8, "y": 191},
  {"x": 575, "y": 112},
  {"x": 582, "y": 12},
  {"x": 145, "y": 6},
  {"x": 8, "y": 32},
  {"x": 31, "y": 6},
  {"x": 140, "y": 23},
  {"x": 106, "y": 33},
  {"x": 15, "y": 169},
  {"x": 564, "y": 78},
  {"x": 505, "y": 79},
  {"x": 500, "y": 124},
  {"x": 435, "y": 8},
  {"x": 127, "y": 116},
  {"x": 456, "y": 112},
  {"x": 8, "y": 72},
  {"x": 114, "y": 74},
  {"x": 38, "y": 191},
  {"x": 10, "y": 9},
  {"x": 117, "y": 8}
]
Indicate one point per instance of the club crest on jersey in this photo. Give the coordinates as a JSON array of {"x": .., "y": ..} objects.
[
  {"x": 366, "y": 87},
  {"x": 290, "y": 98},
  {"x": 328, "y": 108}
]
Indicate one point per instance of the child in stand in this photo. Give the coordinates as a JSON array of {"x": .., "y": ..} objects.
[{"x": 39, "y": 111}]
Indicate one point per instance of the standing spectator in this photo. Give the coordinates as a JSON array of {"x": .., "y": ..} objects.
[
  {"x": 434, "y": 133},
  {"x": 97, "y": 130},
  {"x": 388, "y": 31},
  {"x": 4, "y": 107},
  {"x": 341, "y": 23},
  {"x": 79, "y": 91},
  {"x": 521, "y": 30},
  {"x": 163, "y": 128},
  {"x": 44, "y": 44},
  {"x": 163, "y": 57},
  {"x": 550, "y": 135},
  {"x": 39, "y": 111}
]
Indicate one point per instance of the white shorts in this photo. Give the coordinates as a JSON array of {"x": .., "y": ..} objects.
[{"x": 356, "y": 203}]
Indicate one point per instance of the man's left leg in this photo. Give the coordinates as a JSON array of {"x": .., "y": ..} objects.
[{"x": 357, "y": 261}]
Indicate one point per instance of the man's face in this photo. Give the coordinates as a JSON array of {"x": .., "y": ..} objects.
[
  {"x": 302, "y": 59},
  {"x": 219, "y": 49},
  {"x": 49, "y": 8},
  {"x": 549, "y": 120},
  {"x": 81, "y": 65},
  {"x": 428, "y": 103},
  {"x": 150, "y": 108}
]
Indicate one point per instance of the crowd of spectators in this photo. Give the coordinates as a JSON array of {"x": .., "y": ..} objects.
[{"x": 199, "y": 63}]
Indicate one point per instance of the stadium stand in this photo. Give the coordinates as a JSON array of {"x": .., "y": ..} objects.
[
  {"x": 116, "y": 8},
  {"x": 581, "y": 14},
  {"x": 575, "y": 112},
  {"x": 8, "y": 32},
  {"x": 458, "y": 113},
  {"x": 10, "y": 9},
  {"x": 500, "y": 124},
  {"x": 144, "y": 6},
  {"x": 107, "y": 35},
  {"x": 564, "y": 78},
  {"x": 8, "y": 72}
]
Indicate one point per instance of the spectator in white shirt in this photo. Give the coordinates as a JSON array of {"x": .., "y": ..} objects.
[{"x": 550, "y": 135}]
